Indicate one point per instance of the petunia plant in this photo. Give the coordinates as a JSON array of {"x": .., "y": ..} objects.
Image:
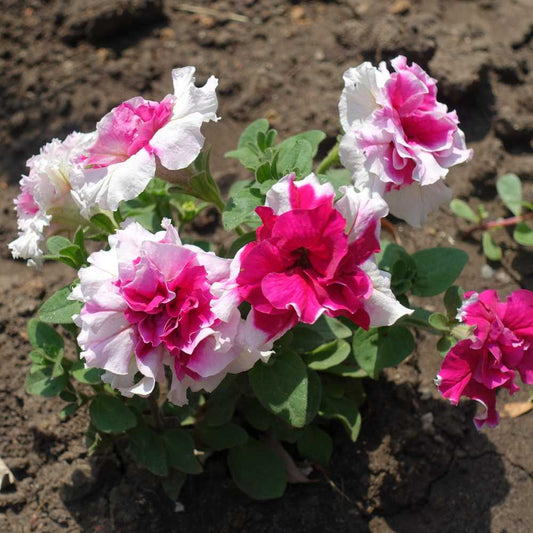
[{"x": 180, "y": 348}]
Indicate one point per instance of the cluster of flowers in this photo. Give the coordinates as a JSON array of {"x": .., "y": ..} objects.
[
  {"x": 501, "y": 344},
  {"x": 152, "y": 303}
]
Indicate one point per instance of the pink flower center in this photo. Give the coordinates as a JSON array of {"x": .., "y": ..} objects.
[
  {"x": 302, "y": 263},
  {"x": 167, "y": 311},
  {"x": 127, "y": 129},
  {"x": 26, "y": 203}
]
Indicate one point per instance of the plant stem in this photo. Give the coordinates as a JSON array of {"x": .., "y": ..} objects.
[
  {"x": 155, "y": 411},
  {"x": 511, "y": 221},
  {"x": 331, "y": 159}
]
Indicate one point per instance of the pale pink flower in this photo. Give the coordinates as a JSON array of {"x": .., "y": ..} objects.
[
  {"x": 46, "y": 203},
  {"x": 315, "y": 256},
  {"x": 150, "y": 302},
  {"x": 139, "y": 134},
  {"x": 501, "y": 344},
  {"x": 399, "y": 140}
]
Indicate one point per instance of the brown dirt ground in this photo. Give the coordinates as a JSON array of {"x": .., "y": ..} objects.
[{"x": 419, "y": 464}]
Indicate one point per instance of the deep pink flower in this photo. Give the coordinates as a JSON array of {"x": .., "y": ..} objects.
[
  {"x": 315, "y": 256},
  {"x": 506, "y": 328},
  {"x": 151, "y": 302},
  {"x": 400, "y": 141},
  {"x": 501, "y": 345},
  {"x": 138, "y": 135},
  {"x": 473, "y": 372}
]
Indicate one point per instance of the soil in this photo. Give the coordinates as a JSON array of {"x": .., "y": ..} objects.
[{"x": 419, "y": 464}]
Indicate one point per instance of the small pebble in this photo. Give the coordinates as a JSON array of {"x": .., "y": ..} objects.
[
  {"x": 487, "y": 272},
  {"x": 502, "y": 276},
  {"x": 427, "y": 423}
]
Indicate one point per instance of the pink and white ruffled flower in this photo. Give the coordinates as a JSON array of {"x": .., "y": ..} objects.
[
  {"x": 150, "y": 302},
  {"x": 501, "y": 344},
  {"x": 46, "y": 203},
  {"x": 399, "y": 140},
  {"x": 315, "y": 256},
  {"x": 140, "y": 134}
]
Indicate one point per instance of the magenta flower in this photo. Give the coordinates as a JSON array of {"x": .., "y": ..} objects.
[
  {"x": 139, "y": 134},
  {"x": 151, "y": 302},
  {"x": 315, "y": 256},
  {"x": 501, "y": 345},
  {"x": 399, "y": 140}
]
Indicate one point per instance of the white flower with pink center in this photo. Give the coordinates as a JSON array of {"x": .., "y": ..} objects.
[
  {"x": 150, "y": 302},
  {"x": 399, "y": 140},
  {"x": 139, "y": 134},
  {"x": 46, "y": 203}
]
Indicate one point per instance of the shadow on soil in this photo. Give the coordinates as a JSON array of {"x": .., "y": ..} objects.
[{"x": 415, "y": 467}]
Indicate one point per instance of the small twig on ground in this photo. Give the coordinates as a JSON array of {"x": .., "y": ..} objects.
[
  {"x": 209, "y": 11},
  {"x": 331, "y": 483},
  {"x": 511, "y": 221},
  {"x": 389, "y": 226}
]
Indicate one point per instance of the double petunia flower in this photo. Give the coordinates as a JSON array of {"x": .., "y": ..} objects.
[{"x": 500, "y": 346}]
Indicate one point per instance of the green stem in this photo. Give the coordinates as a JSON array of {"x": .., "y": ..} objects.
[
  {"x": 331, "y": 159},
  {"x": 155, "y": 411}
]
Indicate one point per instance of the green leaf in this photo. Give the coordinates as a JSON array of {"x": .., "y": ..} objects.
[
  {"x": 490, "y": 248},
  {"x": 257, "y": 471},
  {"x": 179, "y": 446},
  {"x": 58, "y": 309},
  {"x": 248, "y": 152},
  {"x": 173, "y": 484},
  {"x": 223, "y": 437},
  {"x": 247, "y": 156},
  {"x": 453, "y": 299},
  {"x": 444, "y": 344},
  {"x": 38, "y": 356},
  {"x": 345, "y": 410},
  {"x": 263, "y": 172},
  {"x": 145, "y": 215},
  {"x": 39, "y": 380},
  {"x": 316, "y": 445},
  {"x": 148, "y": 450},
  {"x": 308, "y": 337},
  {"x": 509, "y": 188},
  {"x": 222, "y": 401},
  {"x": 68, "y": 410},
  {"x": 110, "y": 415},
  {"x": 437, "y": 269},
  {"x": 439, "y": 321},
  {"x": 305, "y": 338},
  {"x": 379, "y": 348},
  {"x": 338, "y": 177},
  {"x": 243, "y": 240},
  {"x": 90, "y": 376},
  {"x": 392, "y": 253},
  {"x": 295, "y": 155},
  {"x": 56, "y": 243},
  {"x": 463, "y": 210},
  {"x": 254, "y": 413},
  {"x": 523, "y": 234},
  {"x": 104, "y": 223},
  {"x": 331, "y": 328},
  {"x": 41, "y": 335},
  {"x": 286, "y": 388},
  {"x": 313, "y": 137},
  {"x": 240, "y": 208},
  {"x": 328, "y": 355},
  {"x": 249, "y": 135}
]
